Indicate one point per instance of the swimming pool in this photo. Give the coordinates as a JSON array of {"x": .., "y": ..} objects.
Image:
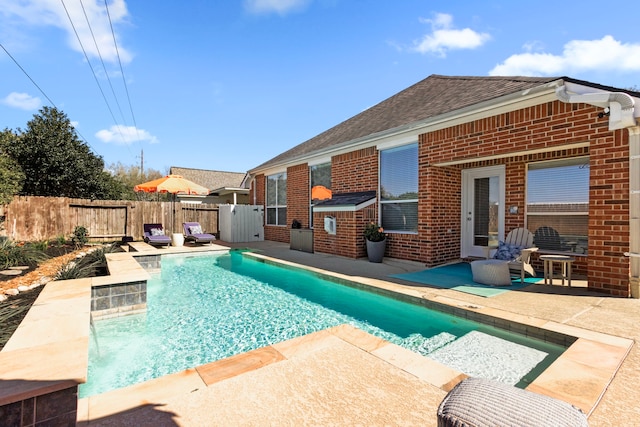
[{"x": 207, "y": 307}]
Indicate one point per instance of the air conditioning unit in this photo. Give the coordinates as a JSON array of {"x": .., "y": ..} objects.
[{"x": 330, "y": 224}]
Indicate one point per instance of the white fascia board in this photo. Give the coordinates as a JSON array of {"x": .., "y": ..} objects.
[
  {"x": 229, "y": 190},
  {"x": 397, "y": 142},
  {"x": 275, "y": 170},
  {"x": 319, "y": 161}
]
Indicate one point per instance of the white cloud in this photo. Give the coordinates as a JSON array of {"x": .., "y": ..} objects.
[
  {"x": 281, "y": 7},
  {"x": 23, "y": 101},
  {"x": 56, "y": 13},
  {"x": 125, "y": 135},
  {"x": 606, "y": 54},
  {"x": 444, "y": 37}
]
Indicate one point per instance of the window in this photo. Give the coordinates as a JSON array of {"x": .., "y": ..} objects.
[
  {"x": 277, "y": 199},
  {"x": 399, "y": 188},
  {"x": 320, "y": 182},
  {"x": 558, "y": 204}
]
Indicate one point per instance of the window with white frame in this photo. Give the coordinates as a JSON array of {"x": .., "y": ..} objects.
[
  {"x": 399, "y": 188},
  {"x": 558, "y": 204},
  {"x": 277, "y": 199},
  {"x": 320, "y": 183}
]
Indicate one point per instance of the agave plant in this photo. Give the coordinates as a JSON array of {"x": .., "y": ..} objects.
[
  {"x": 13, "y": 254},
  {"x": 98, "y": 255},
  {"x": 75, "y": 270},
  {"x": 89, "y": 265}
]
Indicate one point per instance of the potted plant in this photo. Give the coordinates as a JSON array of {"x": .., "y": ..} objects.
[{"x": 376, "y": 241}]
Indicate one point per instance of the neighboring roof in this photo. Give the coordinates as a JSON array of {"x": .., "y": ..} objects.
[
  {"x": 430, "y": 97},
  {"x": 346, "y": 201},
  {"x": 213, "y": 180}
]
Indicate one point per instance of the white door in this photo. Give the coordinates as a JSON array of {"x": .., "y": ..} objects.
[{"x": 482, "y": 209}]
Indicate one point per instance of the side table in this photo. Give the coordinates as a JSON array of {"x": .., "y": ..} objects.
[
  {"x": 565, "y": 268},
  {"x": 177, "y": 239}
]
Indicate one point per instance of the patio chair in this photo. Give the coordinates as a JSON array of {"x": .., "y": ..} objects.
[
  {"x": 154, "y": 235},
  {"x": 547, "y": 237},
  {"x": 516, "y": 250},
  {"x": 193, "y": 233}
]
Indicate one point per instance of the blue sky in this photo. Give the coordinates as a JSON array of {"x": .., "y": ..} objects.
[{"x": 227, "y": 85}]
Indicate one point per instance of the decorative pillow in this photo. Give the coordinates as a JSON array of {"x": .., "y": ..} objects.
[
  {"x": 156, "y": 232},
  {"x": 196, "y": 229},
  {"x": 507, "y": 251}
]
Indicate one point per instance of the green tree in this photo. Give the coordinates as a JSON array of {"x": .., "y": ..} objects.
[
  {"x": 11, "y": 175},
  {"x": 130, "y": 176},
  {"x": 56, "y": 162}
]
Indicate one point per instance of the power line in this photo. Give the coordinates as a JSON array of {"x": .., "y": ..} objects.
[
  {"x": 42, "y": 92},
  {"x": 93, "y": 72},
  {"x": 124, "y": 80},
  {"x": 104, "y": 67},
  {"x": 28, "y": 76}
]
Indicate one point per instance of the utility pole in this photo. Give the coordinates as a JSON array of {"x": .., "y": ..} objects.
[{"x": 141, "y": 162}]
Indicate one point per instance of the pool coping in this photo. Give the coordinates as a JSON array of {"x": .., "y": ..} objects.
[{"x": 579, "y": 376}]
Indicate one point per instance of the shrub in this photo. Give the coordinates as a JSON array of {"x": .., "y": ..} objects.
[
  {"x": 374, "y": 233},
  {"x": 80, "y": 236},
  {"x": 41, "y": 246},
  {"x": 13, "y": 254}
]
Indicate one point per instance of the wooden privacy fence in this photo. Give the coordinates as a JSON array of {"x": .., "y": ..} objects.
[{"x": 34, "y": 218}]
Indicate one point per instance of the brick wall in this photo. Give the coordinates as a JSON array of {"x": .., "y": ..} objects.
[
  {"x": 355, "y": 171},
  {"x": 542, "y": 127},
  {"x": 535, "y": 128},
  {"x": 298, "y": 197},
  {"x": 350, "y": 172}
]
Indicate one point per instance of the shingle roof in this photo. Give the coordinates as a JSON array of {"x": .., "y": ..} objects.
[
  {"x": 213, "y": 180},
  {"x": 430, "y": 97},
  {"x": 348, "y": 199}
]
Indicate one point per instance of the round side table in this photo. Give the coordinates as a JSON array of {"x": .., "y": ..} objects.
[{"x": 565, "y": 268}]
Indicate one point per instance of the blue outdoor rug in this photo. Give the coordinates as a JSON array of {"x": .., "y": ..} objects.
[{"x": 458, "y": 277}]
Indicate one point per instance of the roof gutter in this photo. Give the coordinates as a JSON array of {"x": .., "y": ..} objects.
[{"x": 619, "y": 106}]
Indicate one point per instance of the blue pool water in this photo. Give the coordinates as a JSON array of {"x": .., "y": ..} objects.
[{"x": 207, "y": 307}]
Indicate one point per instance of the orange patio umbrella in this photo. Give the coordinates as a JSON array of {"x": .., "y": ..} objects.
[
  {"x": 173, "y": 184},
  {"x": 320, "y": 192}
]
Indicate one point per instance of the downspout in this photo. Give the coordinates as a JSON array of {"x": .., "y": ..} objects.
[
  {"x": 634, "y": 211},
  {"x": 620, "y": 107}
]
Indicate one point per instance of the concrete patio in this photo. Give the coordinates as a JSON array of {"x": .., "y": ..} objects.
[{"x": 340, "y": 378}]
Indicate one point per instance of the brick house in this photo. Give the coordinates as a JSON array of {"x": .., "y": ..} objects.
[
  {"x": 453, "y": 164},
  {"x": 224, "y": 187}
]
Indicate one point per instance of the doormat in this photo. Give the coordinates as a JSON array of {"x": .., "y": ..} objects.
[{"x": 458, "y": 277}]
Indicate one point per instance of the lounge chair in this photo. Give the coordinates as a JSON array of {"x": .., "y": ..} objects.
[
  {"x": 193, "y": 233},
  {"x": 154, "y": 235},
  {"x": 516, "y": 250}
]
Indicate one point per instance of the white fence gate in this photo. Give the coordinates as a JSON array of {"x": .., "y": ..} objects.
[{"x": 241, "y": 223}]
